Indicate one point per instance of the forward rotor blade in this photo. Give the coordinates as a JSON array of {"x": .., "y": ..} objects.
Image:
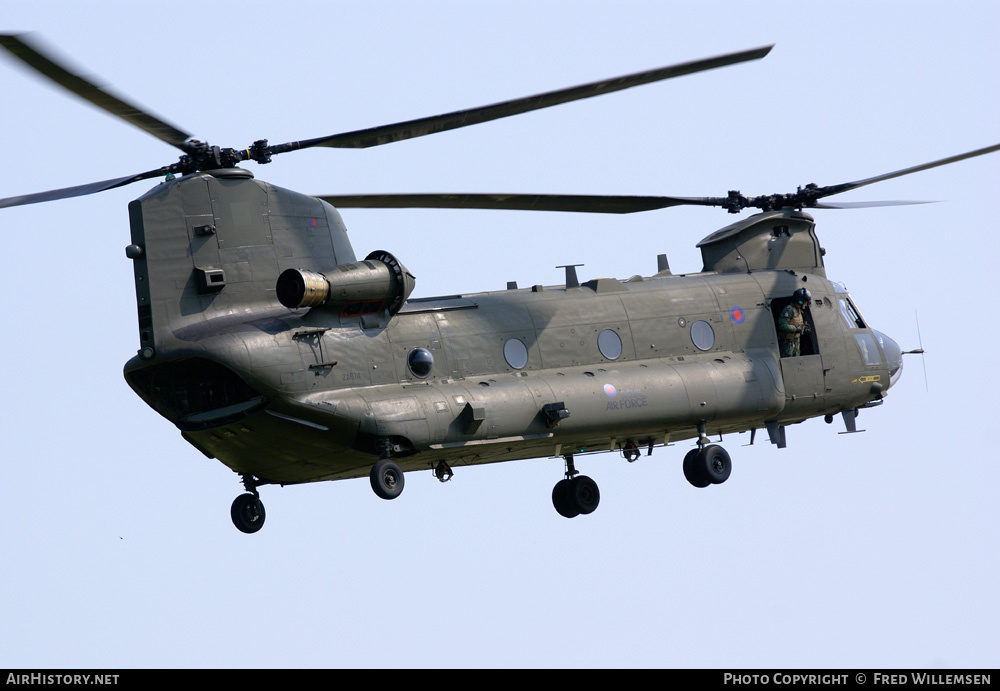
[
  {"x": 386, "y": 134},
  {"x": 596, "y": 204},
  {"x": 28, "y": 51},
  {"x": 837, "y": 189},
  {"x": 81, "y": 190},
  {"x": 865, "y": 205}
]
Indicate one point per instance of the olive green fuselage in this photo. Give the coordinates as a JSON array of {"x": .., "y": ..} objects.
[{"x": 300, "y": 395}]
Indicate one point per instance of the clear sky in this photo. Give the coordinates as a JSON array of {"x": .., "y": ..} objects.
[{"x": 875, "y": 549}]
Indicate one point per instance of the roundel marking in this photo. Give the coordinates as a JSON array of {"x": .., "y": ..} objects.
[
  {"x": 610, "y": 390},
  {"x": 737, "y": 314}
]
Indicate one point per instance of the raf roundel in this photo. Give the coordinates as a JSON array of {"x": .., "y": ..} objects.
[
  {"x": 610, "y": 390},
  {"x": 738, "y": 314}
]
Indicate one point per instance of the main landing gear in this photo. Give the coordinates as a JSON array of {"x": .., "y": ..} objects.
[
  {"x": 576, "y": 494},
  {"x": 247, "y": 511},
  {"x": 709, "y": 464}
]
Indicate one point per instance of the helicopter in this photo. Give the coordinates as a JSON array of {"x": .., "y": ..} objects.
[{"x": 275, "y": 350}]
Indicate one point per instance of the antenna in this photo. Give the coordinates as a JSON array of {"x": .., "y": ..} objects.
[
  {"x": 571, "y": 280},
  {"x": 919, "y": 351}
]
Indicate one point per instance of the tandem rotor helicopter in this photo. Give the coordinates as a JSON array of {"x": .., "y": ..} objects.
[{"x": 274, "y": 349}]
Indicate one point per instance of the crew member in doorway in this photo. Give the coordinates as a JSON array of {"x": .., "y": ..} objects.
[{"x": 792, "y": 323}]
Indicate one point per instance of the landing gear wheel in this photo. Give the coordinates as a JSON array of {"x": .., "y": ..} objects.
[
  {"x": 693, "y": 471},
  {"x": 247, "y": 513},
  {"x": 387, "y": 479},
  {"x": 576, "y": 497},
  {"x": 562, "y": 499},
  {"x": 715, "y": 464},
  {"x": 586, "y": 496}
]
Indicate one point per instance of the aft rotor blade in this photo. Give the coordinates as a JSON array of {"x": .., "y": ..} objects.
[
  {"x": 386, "y": 134},
  {"x": 595, "y": 204},
  {"x": 837, "y": 189},
  {"x": 28, "y": 51},
  {"x": 81, "y": 190}
]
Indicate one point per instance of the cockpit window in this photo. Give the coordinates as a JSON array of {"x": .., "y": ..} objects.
[
  {"x": 869, "y": 351},
  {"x": 850, "y": 314}
]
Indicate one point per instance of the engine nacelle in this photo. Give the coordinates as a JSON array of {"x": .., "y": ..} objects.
[{"x": 378, "y": 283}]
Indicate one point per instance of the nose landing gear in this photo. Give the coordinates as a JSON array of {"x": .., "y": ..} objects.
[
  {"x": 576, "y": 494},
  {"x": 386, "y": 476},
  {"x": 247, "y": 513},
  {"x": 709, "y": 464},
  {"x": 386, "y": 479},
  {"x": 247, "y": 510}
]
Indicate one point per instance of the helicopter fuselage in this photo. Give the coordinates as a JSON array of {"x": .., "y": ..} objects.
[
  {"x": 275, "y": 350},
  {"x": 290, "y": 395}
]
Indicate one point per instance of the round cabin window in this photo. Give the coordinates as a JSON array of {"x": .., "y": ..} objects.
[
  {"x": 515, "y": 353},
  {"x": 702, "y": 335},
  {"x": 420, "y": 361},
  {"x": 610, "y": 344}
]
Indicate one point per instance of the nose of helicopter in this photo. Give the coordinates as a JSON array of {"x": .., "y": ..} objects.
[{"x": 893, "y": 356}]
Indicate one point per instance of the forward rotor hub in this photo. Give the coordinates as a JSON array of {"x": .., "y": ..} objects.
[{"x": 202, "y": 156}]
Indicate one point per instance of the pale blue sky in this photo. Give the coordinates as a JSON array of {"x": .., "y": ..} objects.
[{"x": 870, "y": 550}]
